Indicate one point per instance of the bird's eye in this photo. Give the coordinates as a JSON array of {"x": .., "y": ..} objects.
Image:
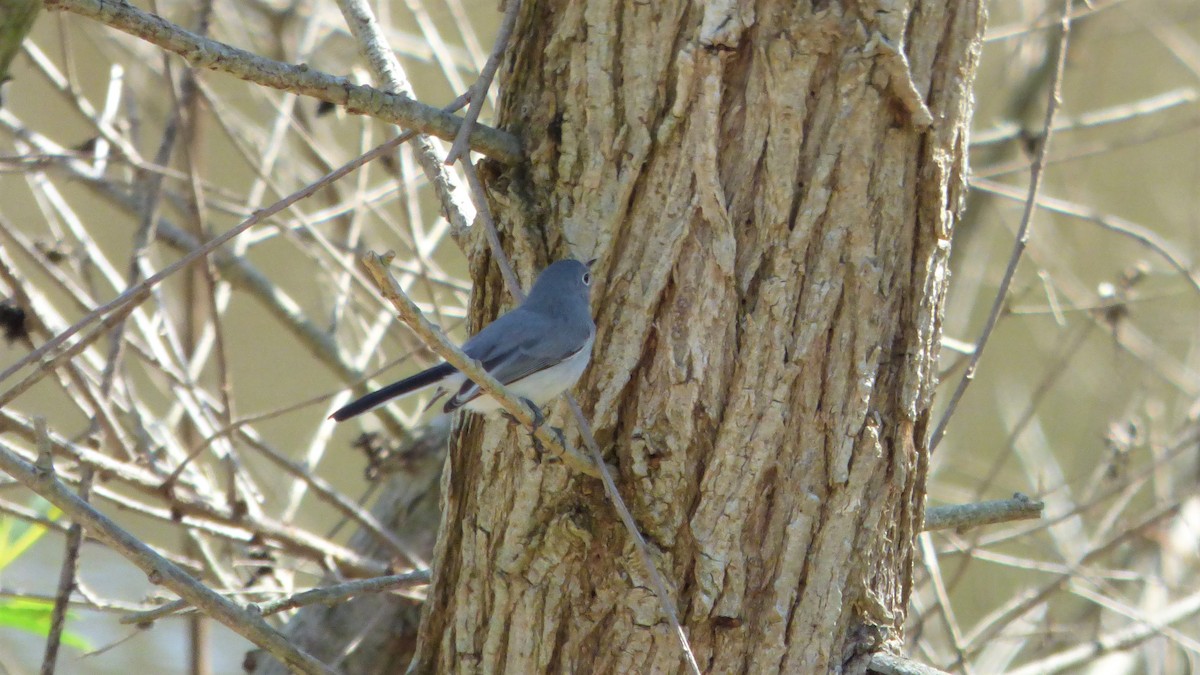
[{"x": 587, "y": 278}]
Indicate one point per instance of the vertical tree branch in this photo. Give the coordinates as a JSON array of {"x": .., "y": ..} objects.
[{"x": 1031, "y": 201}]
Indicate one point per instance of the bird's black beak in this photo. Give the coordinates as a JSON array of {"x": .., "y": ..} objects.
[{"x": 589, "y": 263}]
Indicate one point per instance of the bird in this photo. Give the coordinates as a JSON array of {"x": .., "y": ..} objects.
[{"x": 538, "y": 350}]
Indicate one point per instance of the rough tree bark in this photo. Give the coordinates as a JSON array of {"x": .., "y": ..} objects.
[{"x": 770, "y": 189}]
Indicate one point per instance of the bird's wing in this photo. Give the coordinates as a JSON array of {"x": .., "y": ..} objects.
[{"x": 516, "y": 346}]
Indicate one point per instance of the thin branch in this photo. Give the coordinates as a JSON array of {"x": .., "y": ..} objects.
[
  {"x": 331, "y": 594},
  {"x": 244, "y": 275},
  {"x": 66, "y": 580},
  {"x": 1084, "y": 587},
  {"x": 933, "y": 567},
  {"x": 149, "y": 197},
  {"x": 957, "y": 516},
  {"x": 391, "y": 77},
  {"x": 479, "y": 90},
  {"x": 299, "y": 79},
  {"x": 1185, "y": 444},
  {"x": 70, "y": 564},
  {"x": 326, "y": 493},
  {"x": 988, "y": 629},
  {"x": 1024, "y": 27},
  {"x": 106, "y": 606},
  {"x": 1035, "y": 183},
  {"x": 159, "y": 570},
  {"x": 1124, "y": 112},
  {"x": 199, "y": 513},
  {"x": 1121, "y": 639},
  {"x": 327, "y": 595},
  {"x": 68, "y": 354},
  {"x": 610, "y": 488},
  {"x": 1142, "y": 235},
  {"x": 892, "y": 664},
  {"x": 34, "y": 518},
  {"x": 479, "y": 196},
  {"x": 205, "y": 249}
]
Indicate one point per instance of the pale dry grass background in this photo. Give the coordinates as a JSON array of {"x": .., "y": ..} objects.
[{"x": 1087, "y": 397}]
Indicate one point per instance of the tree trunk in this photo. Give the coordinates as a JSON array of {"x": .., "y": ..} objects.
[{"x": 771, "y": 204}]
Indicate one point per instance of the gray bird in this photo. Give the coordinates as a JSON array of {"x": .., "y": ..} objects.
[{"x": 537, "y": 350}]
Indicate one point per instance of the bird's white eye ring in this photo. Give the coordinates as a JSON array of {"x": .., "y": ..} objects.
[{"x": 587, "y": 278}]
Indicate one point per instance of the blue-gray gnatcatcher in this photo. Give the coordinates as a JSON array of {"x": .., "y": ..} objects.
[{"x": 537, "y": 350}]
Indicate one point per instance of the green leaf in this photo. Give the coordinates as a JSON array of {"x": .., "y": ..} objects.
[
  {"x": 17, "y": 536},
  {"x": 33, "y": 616}
]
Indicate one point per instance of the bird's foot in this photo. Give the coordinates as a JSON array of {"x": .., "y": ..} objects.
[
  {"x": 538, "y": 418},
  {"x": 548, "y": 457}
]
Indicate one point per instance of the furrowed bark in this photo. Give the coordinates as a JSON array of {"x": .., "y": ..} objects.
[{"x": 770, "y": 191}]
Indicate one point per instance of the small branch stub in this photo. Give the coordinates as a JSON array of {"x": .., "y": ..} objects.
[{"x": 1020, "y": 507}]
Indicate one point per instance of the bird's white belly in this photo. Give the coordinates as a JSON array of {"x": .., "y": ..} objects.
[{"x": 543, "y": 385}]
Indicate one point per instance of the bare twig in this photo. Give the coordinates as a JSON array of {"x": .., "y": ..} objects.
[
  {"x": 326, "y": 493},
  {"x": 1024, "y": 27},
  {"x": 988, "y": 629},
  {"x": 106, "y": 606},
  {"x": 149, "y": 207},
  {"x": 1141, "y": 234},
  {"x": 392, "y": 78},
  {"x": 33, "y": 517},
  {"x": 479, "y": 196},
  {"x": 479, "y": 90},
  {"x": 205, "y": 249},
  {"x": 1121, "y": 639},
  {"x": 326, "y": 596},
  {"x": 302, "y": 79},
  {"x": 66, "y": 577},
  {"x": 614, "y": 497},
  {"x": 198, "y": 512},
  {"x": 1124, "y": 112},
  {"x": 158, "y": 569},
  {"x": 892, "y": 664},
  {"x": 1035, "y": 183},
  {"x": 331, "y": 594},
  {"x": 933, "y": 567},
  {"x": 71, "y": 352},
  {"x": 1020, "y": 507}
]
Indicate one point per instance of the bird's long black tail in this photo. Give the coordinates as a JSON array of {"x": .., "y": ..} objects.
[{"x": 380, "y": 396}]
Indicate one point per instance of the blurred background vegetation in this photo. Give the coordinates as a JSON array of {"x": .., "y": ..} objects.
[{"x": 1088, "y": 395}]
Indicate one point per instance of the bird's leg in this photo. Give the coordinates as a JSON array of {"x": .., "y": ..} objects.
[
  {"x": 541, "y": 449},
  {"x": 538, "y": 420},
  {"x": 535, "y": 412},
  {"x": 538, "y": 417}
]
